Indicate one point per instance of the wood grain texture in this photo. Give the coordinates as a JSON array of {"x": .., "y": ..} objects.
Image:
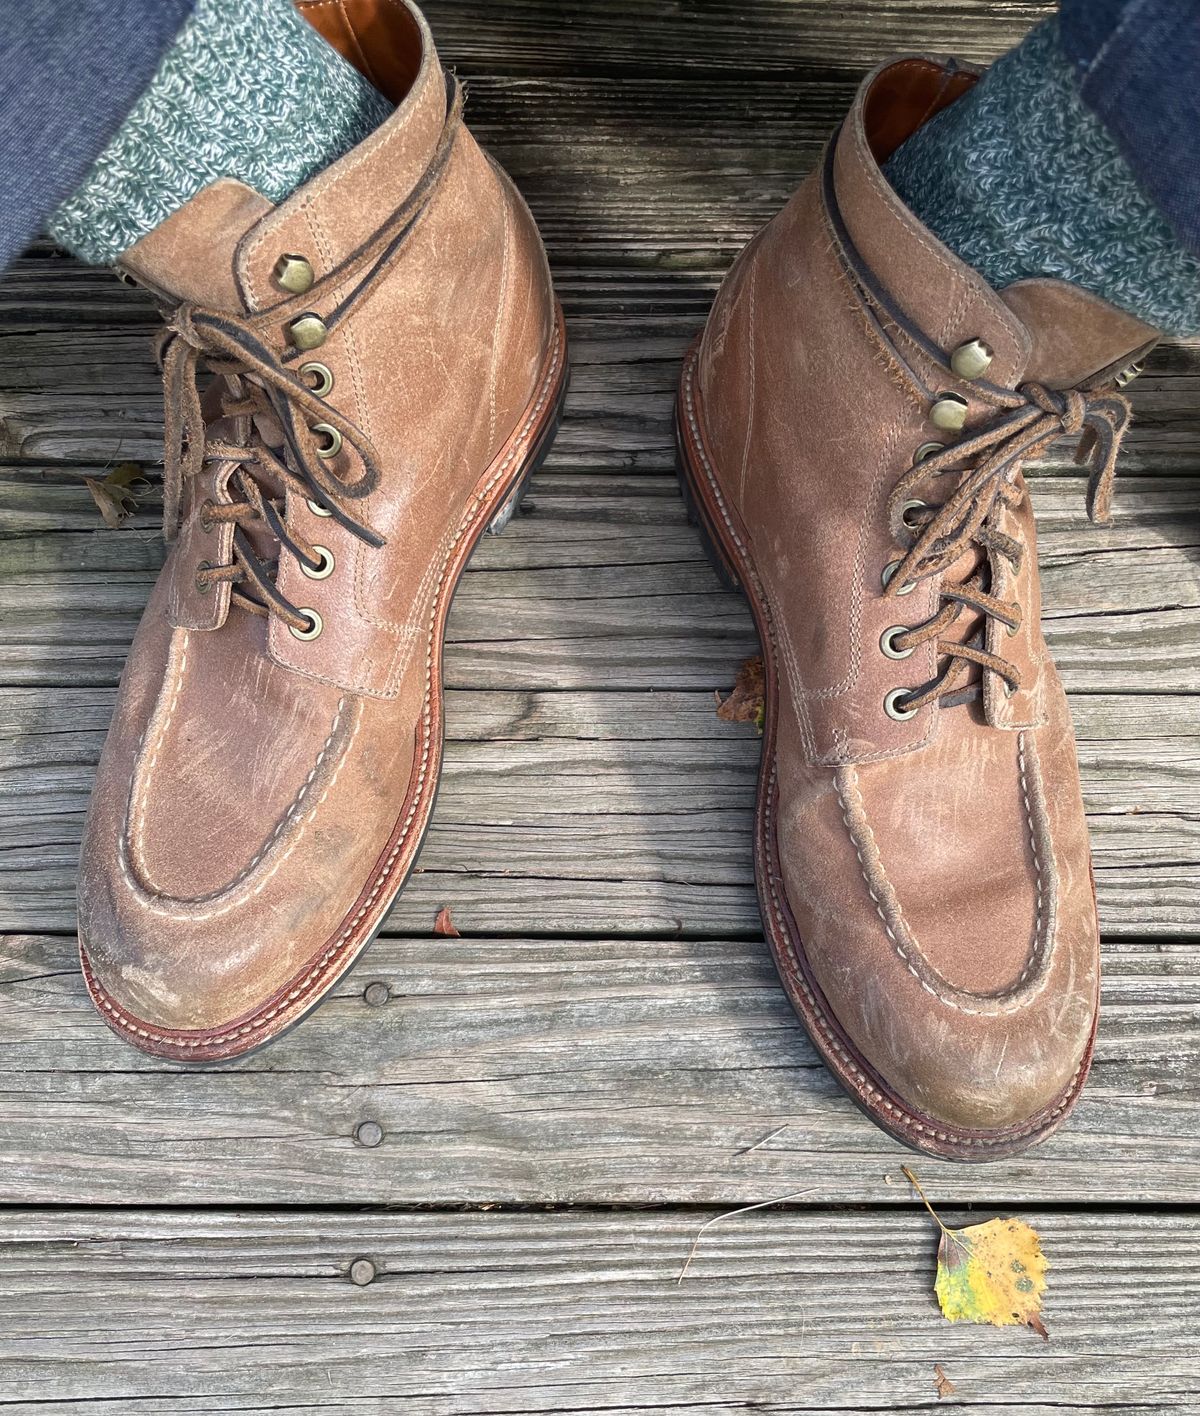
[
  {"x": 89, "y": 394},
  {"x": 481, "y": 1314},
  {"x": 593, "y": 1071}
]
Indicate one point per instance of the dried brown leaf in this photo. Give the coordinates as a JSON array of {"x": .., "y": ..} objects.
[
  {"x": 117, "y": 493},
  {"x": 444, "y": 925},
  {"x": 745, "y": 703}
]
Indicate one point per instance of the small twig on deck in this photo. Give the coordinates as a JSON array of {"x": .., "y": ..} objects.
[
  {"x": 729, "y": 1214},
  {"x": 778, "y": 1131}
]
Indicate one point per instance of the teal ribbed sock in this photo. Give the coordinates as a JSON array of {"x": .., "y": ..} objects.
[
  {"x": 248, "y": 90},
  {"x": 1019, "y": 178}
]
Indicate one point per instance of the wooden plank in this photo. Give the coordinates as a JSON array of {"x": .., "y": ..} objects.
[
  {"x": 482, "y": 1314},
  {"x": 722, "y": 37},
  {"x": 631, "y": 1071},
  {"x": 612, "y": 591}
]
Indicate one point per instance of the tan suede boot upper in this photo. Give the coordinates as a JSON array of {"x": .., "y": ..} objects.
[
  {"x": 392, "y": 361},
  {"x": 853, "y": 425}
]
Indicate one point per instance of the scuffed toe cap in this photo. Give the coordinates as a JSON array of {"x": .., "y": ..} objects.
[{"x": 959, "y": 986}]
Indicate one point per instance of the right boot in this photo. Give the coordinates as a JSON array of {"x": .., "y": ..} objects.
[
  {"x": 390, "y": 368},
  {"x": 853, "y": 424}
]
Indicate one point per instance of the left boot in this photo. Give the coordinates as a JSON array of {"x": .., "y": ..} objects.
[
  {"x": 390, "y": 365},
  {"x": 853, "y": 424}
]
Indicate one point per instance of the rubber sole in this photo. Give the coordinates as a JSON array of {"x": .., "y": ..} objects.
[
  {"x": 290, "y": 1005},
  {"x": 864, "y": 1085}
]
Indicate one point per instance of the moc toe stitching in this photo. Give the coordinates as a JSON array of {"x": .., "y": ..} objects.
[
  {"x": 138, "y": 876},
  {"x": 1034, "y": 974}
]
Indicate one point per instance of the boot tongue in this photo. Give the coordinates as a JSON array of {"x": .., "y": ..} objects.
[
  {"x": 190, "y": 256},
  {"x": 1074, "y": 334}
]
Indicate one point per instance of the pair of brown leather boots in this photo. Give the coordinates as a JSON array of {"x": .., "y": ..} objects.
[{"x": 852, "y": 425}]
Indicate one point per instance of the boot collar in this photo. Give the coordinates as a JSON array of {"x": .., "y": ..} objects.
[
  {"x": 220, "y": 249},
  {"x": 1045, "y": 330}
]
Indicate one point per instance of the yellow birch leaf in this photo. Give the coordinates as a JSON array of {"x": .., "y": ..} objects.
[{"x": 993, "y": 1272}]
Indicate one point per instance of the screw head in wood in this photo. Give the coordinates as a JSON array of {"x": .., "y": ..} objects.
[
  {"x": 362, "y": 1272},
  {"x": 376, "y": 994},
  {"x": 368, "y": 1133}
]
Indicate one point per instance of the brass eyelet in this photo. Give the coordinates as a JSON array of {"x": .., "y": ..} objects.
[
  {"x": 294, "y": 274},
  {"x": 972, "y": 359},
  {"x": 887, "y": 641},
  {"x": 207, "y": 507},
  {"x": 949, "y": 412},
  {"x": 891, "y": 705},
  {"x": 333, "y": 444},
  {"x": 315, "y": 625},
  {"x": 325, "y": 569},
  {"x": 322, "y": 377},
  {"x": 1012, "y": 630},
  {"x": 887, "y": 575},
  {"x": 915, "y": 504},
  {"x": 203, "y": 586},
  {"x": 1010, "y": 688},
  {"x": 317, "y": 509},
  {"x": 927, "y": 449}
]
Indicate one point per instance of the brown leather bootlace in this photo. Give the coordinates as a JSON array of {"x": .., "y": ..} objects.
[
  {"x": 260, "y": 392},
  {"x": 969, "y": 517}
]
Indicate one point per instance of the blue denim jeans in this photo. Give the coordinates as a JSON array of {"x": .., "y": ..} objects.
[
  {"x": 1138, "y": 63},
  {"x": 70, "y": 70}
]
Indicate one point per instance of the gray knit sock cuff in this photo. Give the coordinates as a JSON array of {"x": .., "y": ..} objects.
[
  {"x": 248, "y": 90},
  {"x": 1020, "y": 178}
]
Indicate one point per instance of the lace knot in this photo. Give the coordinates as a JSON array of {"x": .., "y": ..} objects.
[{"x": 970, "y": 515}]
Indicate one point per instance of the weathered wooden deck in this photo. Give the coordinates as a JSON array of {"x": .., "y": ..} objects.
[{"x": 566, "y": 1093}]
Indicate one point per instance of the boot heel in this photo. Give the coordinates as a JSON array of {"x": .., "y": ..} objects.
[
  {"x": 696, "y": 516},
  {"x": 541, "y": 450},
  {"x": 512, "y": 504}
]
